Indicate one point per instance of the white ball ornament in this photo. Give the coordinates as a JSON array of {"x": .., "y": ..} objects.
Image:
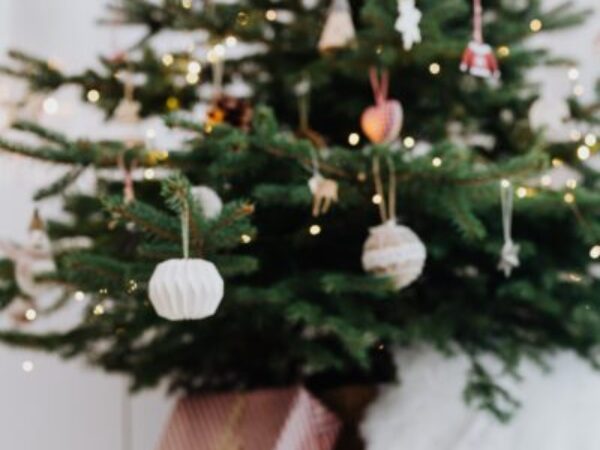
[
  {"x": 208, "y": 200},
  {"x": 186, "y": 289},
  {"x": 551, "y": 115},
  {"x": 394, "y": 251}
]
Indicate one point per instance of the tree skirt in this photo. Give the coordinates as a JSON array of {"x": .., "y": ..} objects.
[{"x": 426, "y": 412}]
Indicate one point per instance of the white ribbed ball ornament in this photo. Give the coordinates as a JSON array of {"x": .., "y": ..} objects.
[
  {"x": 394, "y": 251},
  {"x": 186, "y": 289},
  {"x": 208, "y": 200}
]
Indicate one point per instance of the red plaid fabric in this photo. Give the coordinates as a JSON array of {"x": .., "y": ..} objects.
[{"x": 273, "y": 419}]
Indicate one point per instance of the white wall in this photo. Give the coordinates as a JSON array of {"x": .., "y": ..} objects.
[{"x": 66, "y": 406}]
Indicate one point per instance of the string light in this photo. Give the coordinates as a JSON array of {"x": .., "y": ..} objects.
[
  {"x": 242, "y": 18},
  {"x": 505, "y": 183},
  {"x": 246, "y": 238},
  {"x": 573, "y": 74},
  {"x": 271, "y": 15},
  {"x": 535, "y": 25},
  {"x": 50, "y": 106},
  {"x": 31, "y": 314},
  {"x": 149, "y": 174},
  {"x": 583, "y": 152},
  {"x": 503, "y": 51},
  {"x": 590, "y": 140},
  {"x": 436, "y": 162},
  {"x": 376, "y": 199},
  {"x": 132, "y": 286},
  {"x": 571, "y": 183},
  {"x": 98, "y": 310},
  {"x": 578, "y": 90},
  {"x": 522, "y": 192},
  {"x": 172, "y": 103},
  {"x": 27, "y": 366},
  {"x": 194, "y": 67},
  {"x": 93, "y": 95},
  {"x": 79, "y": 296},
  {"x": 434, "y": 68},
  {"x": 192, "y": 78},
  {"x": 409, "y": 142},
  {"x": 595, "y": 252},
  {"x": 187, "y": 4},
  {"x": 557, "y": 162},
  {"x": 216, "y": 53},
  {"x": 167, "y": 59},
  {"x": 569, "y": 198},
  {"x": 314, "y": 230},
  {"x": 353, "y": 139},
  {"x": 231, "y": 41}
]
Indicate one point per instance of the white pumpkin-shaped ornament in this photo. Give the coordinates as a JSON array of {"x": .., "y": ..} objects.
[
  {"x": 392, "y": 250},
  {"x": 208, "y": 200},
  {"x": 186, "y": 289}
]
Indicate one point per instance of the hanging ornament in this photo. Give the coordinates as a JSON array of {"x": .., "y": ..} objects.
[
  {"x": 302, "y": 91},
  {"x": 408, "y": 22},
  {"x": 478, "y": 58},
  {"x": 338, "y": 31},
  {"x": 392, "y": 250},
  {"x": 128, "y": 185},
  {"x": 38, "y": 238},
  {"x": 551, "y": 115},
  {"x": 208, "y": 200},
  {"x": 382, "y": 123},
  {"x": 324, "y": 190},
  {"x": 509, "y": 256},
  {"x": 128, "y": 110},
  {"x": 237, "y": 112},
  {"x": 32, "y": 260},
  {"x": 185, "y": 289}
]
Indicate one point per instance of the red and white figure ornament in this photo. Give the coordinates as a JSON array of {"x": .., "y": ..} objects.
[
  {"x": 382, "y": 123},
  {"x": 186, "y": 289},
  {"x": 339, "y": 31},
  {"x": 392, "y": 250},
  {"x": 478, "y": 58}
]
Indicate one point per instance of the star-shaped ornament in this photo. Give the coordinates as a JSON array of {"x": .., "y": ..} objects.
[
  {"x": 509, "y": 258},
  {"x": 408, "y": 23}
]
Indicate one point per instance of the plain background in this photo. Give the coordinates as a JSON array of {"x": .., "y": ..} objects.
[{"x": 67, "y": 406}]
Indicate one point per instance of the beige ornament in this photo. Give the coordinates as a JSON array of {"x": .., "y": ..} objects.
[
  {"x": 324, "y": 191},
  {"x": 391, "y": 249},
  {"x": 338, "y": 31},
  {"x": 394, "y": 251}
]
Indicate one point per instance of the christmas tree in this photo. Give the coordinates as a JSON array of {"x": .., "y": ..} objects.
[{"x": 279, "y": 191}]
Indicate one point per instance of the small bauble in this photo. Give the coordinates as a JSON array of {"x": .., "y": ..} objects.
[
  {"x": 185, "y": 289},
  {"x": 208, "y": 200},
  {"x": 394, "y": 251},
  {"x": 550, "y": 114},
  {"x": 479, "y": 60},
  {"x": 382, "y": 122}
]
